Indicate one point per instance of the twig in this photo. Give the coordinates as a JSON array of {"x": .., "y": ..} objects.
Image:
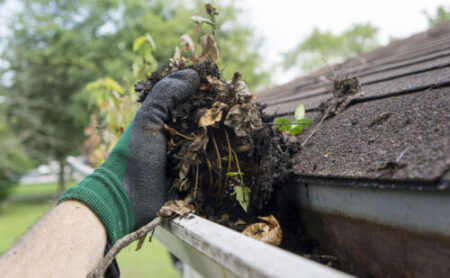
[
  {"x": 196, "y": 181},
  {"x": 330, "y": 67},
  {"x": 399, "y": 157},
  {"x": 219, "y": 160},
  {"x": 229, "y": 157},
  {"x": 208, "y": 163},
  {"x": 238, "y": 168},
  {"x": 289, "y": 123},
  {"x": 126, "y": 240},
  {"x": 314, "y": 130},
  {"x": 175, "y": 132},
  {"x": 100, "y": 270}
]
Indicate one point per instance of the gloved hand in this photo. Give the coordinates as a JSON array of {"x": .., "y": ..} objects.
[{"x": 128, "y": 189}]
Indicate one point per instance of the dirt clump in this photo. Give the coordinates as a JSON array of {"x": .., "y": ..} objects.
[{"x": 220, "y": 148}]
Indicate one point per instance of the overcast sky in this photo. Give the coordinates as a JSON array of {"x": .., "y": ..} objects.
[{"x": 285, "y": 23}]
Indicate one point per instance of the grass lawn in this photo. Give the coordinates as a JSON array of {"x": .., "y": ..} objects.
[
  {"x": 33, "y": 189},
  {"x": 15, "y": 217}
]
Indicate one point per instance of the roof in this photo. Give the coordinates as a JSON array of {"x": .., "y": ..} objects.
[{"x": 397, "y": 132}]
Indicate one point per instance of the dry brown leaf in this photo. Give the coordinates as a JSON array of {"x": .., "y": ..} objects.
[
  {"x": 244, "y": 119},
  {"x": 240, "y": 222},
  {"x": 242, "y": 91},
  {"x": 213, "y": 114},
  {"x": 218, "y": 84},
  {"x": 245, "y": 116},
  {"x": 177, "y": 60},
  {"x": 269, "y": 232},
  {"x": 190, "y": 153},
  {"x": 186, "y": 43},
  {"x": 224, "y": 218},
  {"x": 175, "y": 207},
  {"x": 209, "y": 49}
]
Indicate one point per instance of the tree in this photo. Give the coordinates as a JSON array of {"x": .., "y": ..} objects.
[
  {"x": 442, "y": 15},
  {"x": 323, "y": 46},
  {"x": 58, "y": 46},
  {"x": 13, "y": 159}
]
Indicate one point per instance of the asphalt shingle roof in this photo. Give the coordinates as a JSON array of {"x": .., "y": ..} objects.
[{"x": 406, "y": 84}]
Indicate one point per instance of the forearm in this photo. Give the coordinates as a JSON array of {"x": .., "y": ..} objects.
[{"x": 68, "y": 242}]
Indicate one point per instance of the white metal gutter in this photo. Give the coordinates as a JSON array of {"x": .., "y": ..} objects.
[
  {"x": 79, "y": 166},
  {"x": 420, "y": 211},
  {"x": 216, "y": 251}
]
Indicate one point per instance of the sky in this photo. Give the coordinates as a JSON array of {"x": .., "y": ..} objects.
[{"x": 285, "y": 23}]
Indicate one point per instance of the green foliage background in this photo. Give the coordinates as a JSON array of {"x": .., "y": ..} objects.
[
  {"x": 442, "y": 15},
  {"x": 322, "y": 47},
  {"x": 58, "y": 46},
  {"x": 13, "y": 160}
]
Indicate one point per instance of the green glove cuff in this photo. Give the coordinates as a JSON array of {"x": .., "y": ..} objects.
[
  {"x": 103, "y": 192},
  {"x": 104, "y": 195}
]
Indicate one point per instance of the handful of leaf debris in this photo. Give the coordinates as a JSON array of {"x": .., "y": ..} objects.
[{"x": 220, "y": 148}]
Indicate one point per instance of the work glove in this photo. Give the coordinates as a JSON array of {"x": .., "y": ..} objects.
[{"x": 129, "y": 188}]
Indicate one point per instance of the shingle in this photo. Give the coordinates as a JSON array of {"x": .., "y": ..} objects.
[
  {"x": 405, "y": 110},
  {"x": 368, "y": 138}
]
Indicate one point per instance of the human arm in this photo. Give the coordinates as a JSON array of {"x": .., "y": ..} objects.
[
  {"x": 126, "y": 191},
  {"x": 68, "y": 242}
]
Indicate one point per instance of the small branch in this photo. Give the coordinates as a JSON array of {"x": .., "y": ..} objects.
[
  {"x": 196, "y": 181},
  {"x": 290, "y": 123},
  {"x": 219, "y": 159},
  {"x": 126, "y": 240},
  {"x": 100, "y": 270},
  {"x": 210, "y": 172},
  {"x": 174, "y": 132},
  {"x": 229, "y": 157},
  {"x": 313, "y": 131},
  {"x": 238, "y": 168}
]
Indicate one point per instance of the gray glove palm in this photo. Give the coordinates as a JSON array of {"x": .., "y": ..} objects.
[{"x": 127, "y": 191}]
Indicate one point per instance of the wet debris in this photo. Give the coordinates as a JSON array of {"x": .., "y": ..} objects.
[
  {"x": 175, "y": 208},
  {"x": 380, "y": 119},
  {"x": 220, "y": 149},
  {"x": 389, "y": 169},
  {"x": 344, "y": 91},
  {"x": 268, "y": 231}
]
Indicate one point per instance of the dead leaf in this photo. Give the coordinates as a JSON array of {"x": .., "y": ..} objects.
[
  {"x": 245, "y": 116},
  {"x": 344, "y": 90},
  {"x": 177, "y": 60},
  {"x": 175, "y": 207},
  {"x": 219, "y": 85},
  {"x": 224, "y": 218},
  {"x": 242, "y": 91},
  {"x": 240, "y": 222},
  {"x": 187, "y": 155},
  {"x": 209, "y": 49},
  {"x": 213, "y": 114},
  {"x": 269, "y": 232},
  {"x": 186, "y": 43},
  {"x": 244, "y": 119}
]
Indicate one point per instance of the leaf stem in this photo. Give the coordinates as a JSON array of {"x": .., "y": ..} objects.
[
  {"x": 196, "y": 181},
  {"x": 238, "y": 168},
  {"x": 219, "y": 160},
  {"x": 229, "y": 155}
]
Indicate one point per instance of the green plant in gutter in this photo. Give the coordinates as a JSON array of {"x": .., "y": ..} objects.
[
  {"x": 241, "y": 192},
  {"x": 298, "y": 125}
]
